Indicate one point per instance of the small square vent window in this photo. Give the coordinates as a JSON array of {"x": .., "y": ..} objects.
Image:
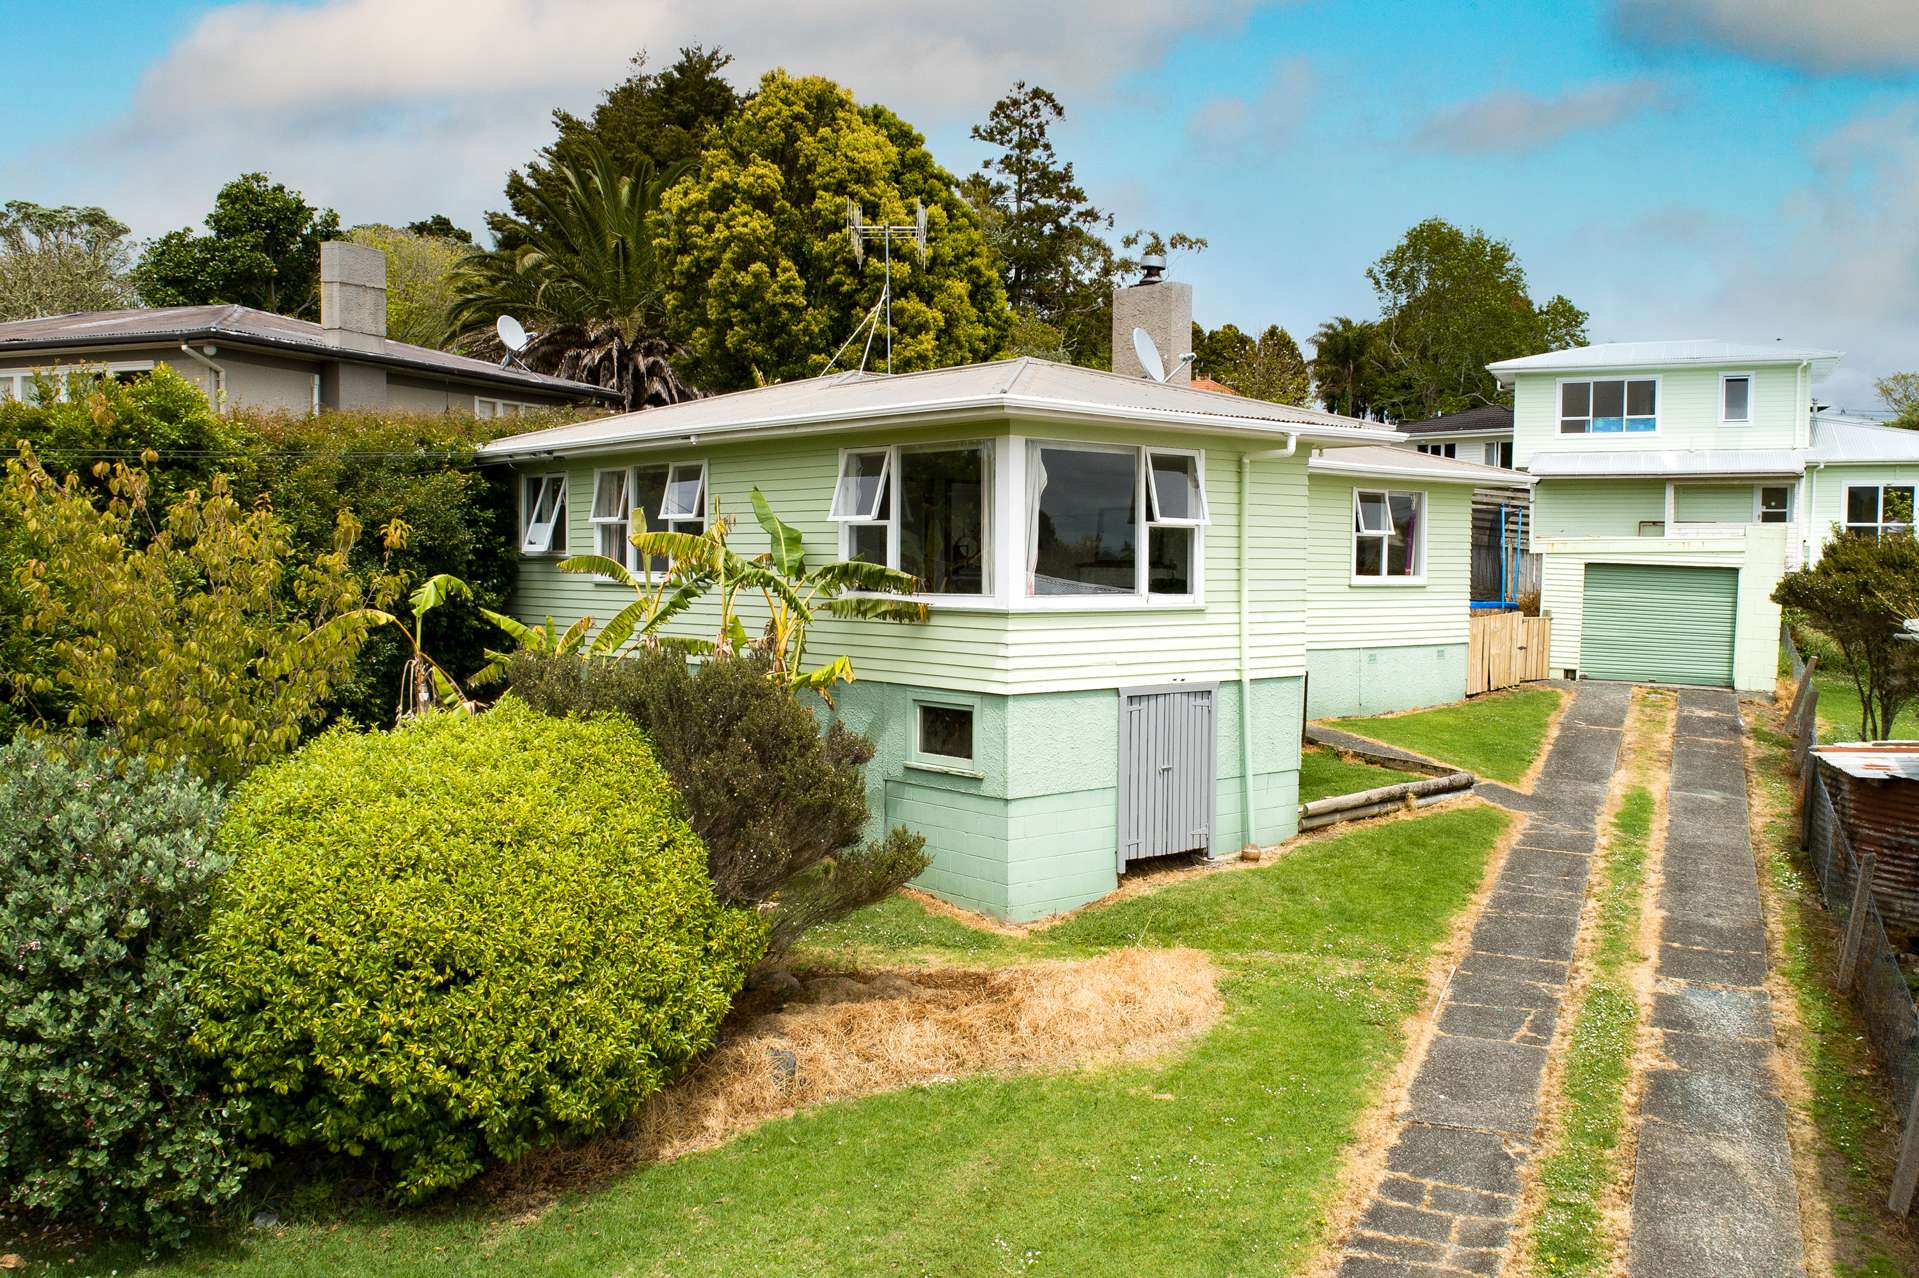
[{"x": 946, "y": 732}]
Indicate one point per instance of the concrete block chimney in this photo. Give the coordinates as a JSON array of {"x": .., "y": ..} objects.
[
  {"x": 353, "y": 295},
  {"x": 1165, "y": 310}
]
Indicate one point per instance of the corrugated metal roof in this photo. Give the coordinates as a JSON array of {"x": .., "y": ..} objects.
[
  {"x": 1486, "y": 419},
  {"x": 175, "y": 324},
  {"x": 1874, "y": 760},
  {"x": 1665, "y": 355},
  {"x": 1377, "y": 459},
  {"x": 1852, "y": 441},
  {"x": 1649, "y": 463},
  {"x": 1019, "y": 387}
]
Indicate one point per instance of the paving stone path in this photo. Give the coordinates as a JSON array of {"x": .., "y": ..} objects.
[
  {"x": 1450, "y": 1193},
  {"x": 1713, "y": 1188}
]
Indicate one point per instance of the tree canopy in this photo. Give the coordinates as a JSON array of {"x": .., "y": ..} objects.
[
  {"x": 440, "y": 226},
  {"x": 1900, "y": 391},
  {"x": 1268, "y": 367},
  {"x": 57, "y": 260},
  {"x": 1346, "y": 366},
  {"x": 762, "y": 281},
  {"x": 262, "y": 249},
  {"x": 419, "y": 281},
  {"x": 1858, "y": 595},
  {"x": 1452, "y": 301}
]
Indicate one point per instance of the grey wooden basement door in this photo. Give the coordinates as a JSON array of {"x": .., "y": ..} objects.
[{"x": 1168, "y": 770}]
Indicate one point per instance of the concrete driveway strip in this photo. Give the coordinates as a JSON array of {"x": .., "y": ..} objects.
[
  {"x": 1450, "y": 1194},
  {"x": 1713, "y": 1187}
]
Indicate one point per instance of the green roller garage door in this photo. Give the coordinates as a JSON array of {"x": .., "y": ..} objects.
[{"x": 1658, "y": 624}]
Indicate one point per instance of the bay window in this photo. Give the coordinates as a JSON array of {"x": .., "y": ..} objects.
[
  {"x": 542, "y": 514},
  {"x": 1387, "y": 532},
  {"x": 921, "y": 510},
  {"x": 1873, "y": 510},
  {"x": 1087, "y": 505},
  {"x": 1609, "y": 407}
]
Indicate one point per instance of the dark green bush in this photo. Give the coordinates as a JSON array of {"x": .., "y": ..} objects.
[
  {"x": 106, "y": 1117},
  {"x": 446, "y": 944},
  {"x": 780, "y": 805}
]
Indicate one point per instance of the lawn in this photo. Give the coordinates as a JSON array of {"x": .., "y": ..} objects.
[
  {"x": 1217, "y": 1161},
  {"x": 1324, "y": 773},
  {"x": 1497, "y": 736},
  {"x": 1839, "y": 710}
]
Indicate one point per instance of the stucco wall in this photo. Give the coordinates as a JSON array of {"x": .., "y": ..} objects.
[{"x": 1349, "y": 681}]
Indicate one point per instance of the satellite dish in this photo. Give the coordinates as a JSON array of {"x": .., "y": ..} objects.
[
  {"x": 512, "y": 334},
  {"x": 1148, "y": 355}
]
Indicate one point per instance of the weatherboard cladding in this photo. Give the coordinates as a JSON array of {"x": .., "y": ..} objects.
[
  {"x": 1342, "y": 615},
  {"x": 1689, "y": 407}
]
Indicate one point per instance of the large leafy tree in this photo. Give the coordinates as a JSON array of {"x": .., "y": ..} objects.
[
  {"x": 1268, "y": 367},
  {"x": 57, "y": 260},
  {"x": 441, "y": 227},
  {"x": 1858, "y": 595},
  {"x": 1900, "y": 391},
  {"x": 586, "y": 276},
  {"x": 763, "y": 284},
  {"x": 663, "y": 118},
  {"x": 419, "y": 281},
  {"x": 262, "y": 249},
  {"x": 1345, "y": 366},
  {"x": 1452, "y": 301}
]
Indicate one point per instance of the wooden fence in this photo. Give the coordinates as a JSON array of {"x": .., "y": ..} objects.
[{"x": 1505, "y": 648}]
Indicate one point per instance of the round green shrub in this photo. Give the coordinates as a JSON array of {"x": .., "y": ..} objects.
[
  {"x": 107, "y": 1118},
  {"x": 451, "y": 942}
]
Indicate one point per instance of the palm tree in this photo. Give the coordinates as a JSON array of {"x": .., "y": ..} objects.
[
  {"x": 1342, "y": 364},
  {"x": 585, "y": 278}
]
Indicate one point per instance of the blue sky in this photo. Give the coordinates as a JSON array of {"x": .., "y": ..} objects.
[{"x": 1737, "y": 168}]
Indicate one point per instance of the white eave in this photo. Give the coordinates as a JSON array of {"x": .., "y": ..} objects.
[
  {"x": 1653, "y": 356},
  {"x": 1726, "y": 463},
  {"x": 1371, "y": 461}
]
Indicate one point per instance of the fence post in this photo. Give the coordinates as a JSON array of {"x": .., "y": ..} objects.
[
  {"x": 1856, "y": 921},
  {"x": 1906, "y": 1176}
]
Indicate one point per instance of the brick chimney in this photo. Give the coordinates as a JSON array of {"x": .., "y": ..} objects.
[
  {"x": 353, "y": 295},
  {"x": 1165, "y": 310}
]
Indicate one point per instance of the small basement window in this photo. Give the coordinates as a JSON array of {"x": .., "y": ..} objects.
[
  {"x": 1386, "y": 536},
  {"x": 1735, "y": 398},
  {"x": 542, "y": 514},
  {"x": 945, "y": 733}
]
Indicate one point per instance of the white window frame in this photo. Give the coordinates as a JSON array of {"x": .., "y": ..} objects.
[
  {"x": 1359, "y": 529},
  {"x": 1879, "y": 526},
  {"x": 682, "y": 516},
  {"x": 1448, "y": 449},
  {"x": 487, "y": 407},
  {"x": 1759, "y": 503},
  {"x": 1559, "y": 406},
  {"x": 1751, "y": 385},
  {"x": 622, "y": 518},
  {"x": 888, "y": 516},
  {"x": 1140, "y": 597},
  {"x": 557, "y": 528},
  {"x": 881, "y": 497},
  {"x": 921, "y": 757},
  {"x": 1204, "y": 517}
]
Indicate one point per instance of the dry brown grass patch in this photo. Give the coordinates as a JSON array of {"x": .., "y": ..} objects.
[{"x": 848, "y": 1035}]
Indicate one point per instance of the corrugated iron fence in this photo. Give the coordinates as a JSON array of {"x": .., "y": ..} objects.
[{"x": 1869, "y": 968}]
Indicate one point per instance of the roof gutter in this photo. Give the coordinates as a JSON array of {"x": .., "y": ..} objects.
[{"x": 1321, "y": 465}]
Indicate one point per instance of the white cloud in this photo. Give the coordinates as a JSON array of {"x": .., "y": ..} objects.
[
  {"x": 1510, "y": 121},
  {"x": 1873, "y": 36},
  {"x": 395, "y": 108},
  {"x": 1262, "y": 121}
]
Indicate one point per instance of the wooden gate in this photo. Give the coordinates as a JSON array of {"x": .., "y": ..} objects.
[
  {"x": 1505, "y": 648},
  {"x": 1168, "y": 775}
]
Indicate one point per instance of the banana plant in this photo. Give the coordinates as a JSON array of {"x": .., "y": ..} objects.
[
  {"x": 658, "y": 598},
  {"x": 547, "y": 640},
  {"x": 796, "y": 596},
  {"x": 424, "y": 682}
]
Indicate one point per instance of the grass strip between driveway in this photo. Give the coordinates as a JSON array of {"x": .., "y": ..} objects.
[
  {"x": 1218, "y": 1159},
  {"x": 1498, "y": 736}
]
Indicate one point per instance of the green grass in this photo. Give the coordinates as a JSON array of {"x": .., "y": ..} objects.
[
  {"x": 1218, "y": 1160},
  {"x": 1324, "y": 773},
  {"x": 1497, "y": 736},
  {"x": 1569, "y": 1238},
  {"x": 1839, "y": 710}
]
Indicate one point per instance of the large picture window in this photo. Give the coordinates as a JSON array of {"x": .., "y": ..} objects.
[
  {"x": 1087, "y": 506},
  {"x": 1387, "y": 530},
  {"x": 920, "y": 510},
  {"x": 1876, "y": 509},
  {"x": 542, "y": 514},
  {"x": 1609, "y": 407}
]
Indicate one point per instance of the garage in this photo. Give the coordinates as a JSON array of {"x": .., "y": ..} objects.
[{"x": 1659, "y": 623}]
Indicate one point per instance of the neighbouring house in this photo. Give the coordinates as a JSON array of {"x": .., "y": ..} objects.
[
  {"x": 1676, "y": 482},
  {"x": 1123, "y": 574},
  {"x": 1504, "y": 572},
  {"x": 1483, "y": 435},
  {"x": 245, "y": 357}
]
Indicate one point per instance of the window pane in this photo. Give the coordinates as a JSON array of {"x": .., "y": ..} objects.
[
  {"x": 1575, "y": 399},
  {"x": 609, "y": 495},
  {"x": 1641, "y": 398},
  {"x": 1176, "y": 493},
  {"x": 1898, "y": 507},
  {"x": 1169, "y": 561},
  {"x": 611, "y": 536},
  {"x": 1402, "y": 548},
  {"x": 1738, "y": 396},
  {"x": 1369, "y": 556},
  {"x": 1568, "y": 426},
  {"x": 685, "y": 492},
  {"x": 1373, "y": 514},
  {"x": 867, "y": 542},
  {"x": 1609, "y": 399},
  {"x": 649, "y": 490},
  {"x": 1862, "y": 505},
  {"x": 1774, "y": 505},
  {"x": 942, "y": 518},
  {"x": 946, "y": 731},
  {"x": 859, "y": 492},
  {"x": 1084, "y": 533},
  {"x": 1642, "y": 423}
]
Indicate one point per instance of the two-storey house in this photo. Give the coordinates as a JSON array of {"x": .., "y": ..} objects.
[{"x": 1675, "y": 483}]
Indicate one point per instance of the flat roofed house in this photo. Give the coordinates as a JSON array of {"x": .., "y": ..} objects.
[
  {"x": 242, "y": 356},
  {"x": 1676, "y": 482}
]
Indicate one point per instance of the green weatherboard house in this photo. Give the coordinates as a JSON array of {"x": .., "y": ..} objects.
[{"x": 1129, "y": 582}]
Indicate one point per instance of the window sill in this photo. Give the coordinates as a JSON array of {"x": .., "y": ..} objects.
[
  {"x": 1387, "y": 582},
  {"x": 946, "y": 769}
]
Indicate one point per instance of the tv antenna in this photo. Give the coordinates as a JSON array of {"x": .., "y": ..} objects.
[
  {"x": 859, "y": 231},
  {"x": 513, "y": 337},
  {"x": 1149, "y": 358}
]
